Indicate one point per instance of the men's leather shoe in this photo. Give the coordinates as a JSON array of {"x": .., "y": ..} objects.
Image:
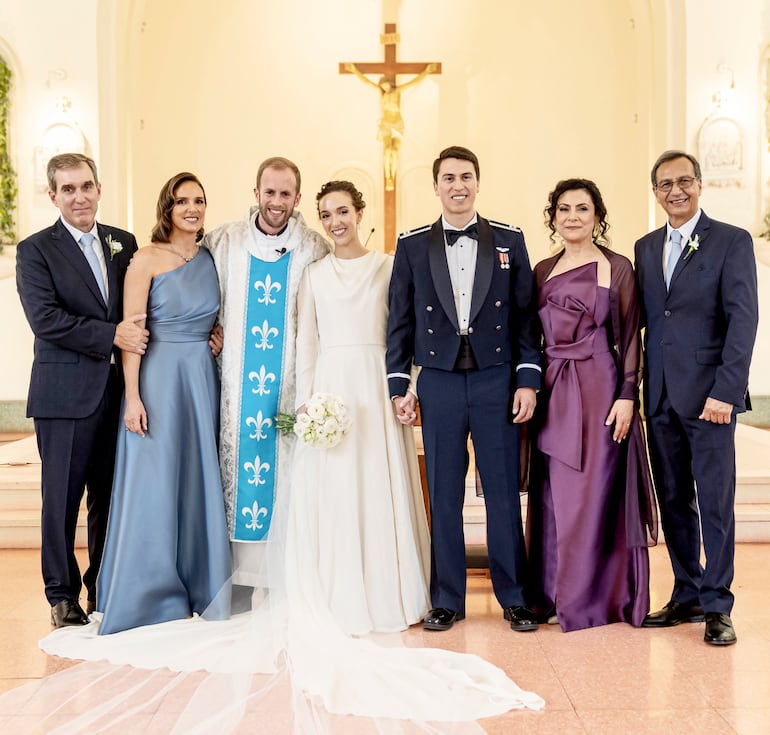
[
  {"x": 441, "y": 618},
  {"x": 90, "y": 606},
  {"x": 521, "y": 618},
  {"x": 672, "y": 614},
  {"x": 719, "y": 630},
  {"x": 67, "y": 612}
]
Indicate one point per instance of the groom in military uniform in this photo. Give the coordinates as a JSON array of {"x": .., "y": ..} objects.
[{"x": 462, "y": 306}]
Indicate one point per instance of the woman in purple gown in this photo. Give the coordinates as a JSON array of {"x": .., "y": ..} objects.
[{"x": 591, "y": 509}]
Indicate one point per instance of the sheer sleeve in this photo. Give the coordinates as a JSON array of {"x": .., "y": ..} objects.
[
  {"x": 627, "y": 340},
  {"x": 307, "y": 339}
]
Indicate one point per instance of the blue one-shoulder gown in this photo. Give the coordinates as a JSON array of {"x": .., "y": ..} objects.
[{"x": 167, "y": 552}]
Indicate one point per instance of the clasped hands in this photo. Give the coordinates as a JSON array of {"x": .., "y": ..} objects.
[{"x": 523, "y": 407}]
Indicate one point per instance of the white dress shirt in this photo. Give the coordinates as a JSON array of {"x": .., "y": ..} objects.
[
  {"x": 461, "y": 259},
  {"x": 77, "y": 234},
  {"x": 685, "y": 230}
]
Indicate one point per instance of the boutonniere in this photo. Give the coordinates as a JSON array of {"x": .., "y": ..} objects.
[
  {"x": 694, "y": 244},
  {"x": 114, "y": 246}
]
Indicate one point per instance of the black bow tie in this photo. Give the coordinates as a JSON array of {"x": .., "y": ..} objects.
[{"x": 470, "y": 231}]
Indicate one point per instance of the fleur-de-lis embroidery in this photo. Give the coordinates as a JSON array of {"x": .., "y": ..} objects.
[
  {"x": 257, "y": 514},
  {"x": 262, "y": 378},
  {"x": 267, "y": 286},
  {"x": 259, "y": 424},
  {"x": 264, "y": 333},
  {"x": 257, "y": 467}
]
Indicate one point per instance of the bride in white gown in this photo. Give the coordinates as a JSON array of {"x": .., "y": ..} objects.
[
  {"x": 347, "y": 555},
  {"x": 359, "y": 504}
]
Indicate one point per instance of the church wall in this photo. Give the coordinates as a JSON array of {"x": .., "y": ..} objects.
[
  {"x": 537, "y": 97},
  {"x": 725, "y": 46},
  {"x": 591, "y": 89},
  {"x": 51, "y": 48}
]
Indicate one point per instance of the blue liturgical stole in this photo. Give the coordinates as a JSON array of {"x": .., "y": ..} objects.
[{"x": 263, "y": 350}]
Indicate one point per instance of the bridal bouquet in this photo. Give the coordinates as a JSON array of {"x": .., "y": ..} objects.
[{"x": 324, "y": 423}]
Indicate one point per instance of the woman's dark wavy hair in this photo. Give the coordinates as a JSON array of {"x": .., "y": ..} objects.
[
  {"x": 163, "y": 227},
  {"x": 346, "y": 186},
  {"x": 600, "y": 236}
]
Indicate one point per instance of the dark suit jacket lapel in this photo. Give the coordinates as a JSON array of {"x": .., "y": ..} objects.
[
  {"x": 439, "y": 271},
  {"x": 701, "y": 231},
  {"x": 485, "y": 262},
  {"x": 112, "y": 270},
  {"x": 74, "y": 256},
  {"x": 655, "y": 255}
]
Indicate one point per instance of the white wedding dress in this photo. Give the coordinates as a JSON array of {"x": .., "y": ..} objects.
[
  {"x": 347, "y": 554},
  {"x": 358, "y": 505}
]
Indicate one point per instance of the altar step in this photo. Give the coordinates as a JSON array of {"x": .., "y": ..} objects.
[
  {"x": 20, "y": 496},
  {"x": 752, "y": 495}
]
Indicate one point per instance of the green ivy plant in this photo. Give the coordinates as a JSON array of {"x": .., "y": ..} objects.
[{"x": 7, "y": 174}]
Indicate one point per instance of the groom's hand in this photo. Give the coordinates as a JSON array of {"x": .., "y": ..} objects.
[{"x": 524, "y": 400}]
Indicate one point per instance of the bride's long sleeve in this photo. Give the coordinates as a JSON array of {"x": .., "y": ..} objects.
[{"x": 307, "y": 339}]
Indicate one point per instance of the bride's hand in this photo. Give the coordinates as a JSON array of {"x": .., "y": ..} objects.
[
  {"x": 406, "y": 408},
  {"x": 135, "y": 417}
]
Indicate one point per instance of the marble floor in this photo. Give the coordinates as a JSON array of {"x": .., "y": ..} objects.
[{"x": 613, "y": 679}]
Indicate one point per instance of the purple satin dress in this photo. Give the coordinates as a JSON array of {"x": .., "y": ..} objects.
[{"x": 577, "y": 521}]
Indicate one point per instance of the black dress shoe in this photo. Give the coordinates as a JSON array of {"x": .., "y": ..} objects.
[
  {"x": 672, "y": 614},
  {"x": 67, "y": 612},
  {"x": 521, "y": 618},
  {"x": 719, "y": 630},
  {"x": 90, "y": 606},
  {"x": 441, "y": 618}
]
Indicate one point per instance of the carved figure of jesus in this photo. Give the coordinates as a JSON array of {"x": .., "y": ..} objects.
[{"x": 391, "y": 125}]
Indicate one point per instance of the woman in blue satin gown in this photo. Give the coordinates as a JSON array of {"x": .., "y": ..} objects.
[{"x": 167, "y": 553}]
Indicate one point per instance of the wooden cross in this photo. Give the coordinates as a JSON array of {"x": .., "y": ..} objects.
[{"x": 391, "y": 125}]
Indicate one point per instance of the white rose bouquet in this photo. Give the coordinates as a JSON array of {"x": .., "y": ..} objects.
[{"x": 323, "y": 424}]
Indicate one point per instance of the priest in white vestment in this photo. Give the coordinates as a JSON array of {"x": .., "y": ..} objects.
[{"x": 260, "y": 260}]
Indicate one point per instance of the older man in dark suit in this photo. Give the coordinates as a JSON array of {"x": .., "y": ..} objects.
[
  {"x": 70, "y": 282},
  {"x": 698, "y": 283},
  {"x": 462, "y": 306}
]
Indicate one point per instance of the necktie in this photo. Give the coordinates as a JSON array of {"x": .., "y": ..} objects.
[
  {"x": 673, "y": 256},
  {"x": 86, "y": 243},
  {"x": 451, "y": 235}
]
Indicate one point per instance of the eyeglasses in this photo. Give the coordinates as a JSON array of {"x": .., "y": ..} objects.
[{"x": 684, "y": 182}]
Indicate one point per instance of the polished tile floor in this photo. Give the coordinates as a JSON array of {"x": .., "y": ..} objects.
[{"x": 613, "y": 679}]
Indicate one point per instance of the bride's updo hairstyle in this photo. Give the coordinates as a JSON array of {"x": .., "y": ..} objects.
[
  {"x": 600, "y": 231},
  {"x": 346, "y": 186}
]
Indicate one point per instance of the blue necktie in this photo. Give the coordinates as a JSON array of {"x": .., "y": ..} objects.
[
  {"x": 673, "y": 256},
  {"x": 453, "y": 235},
  {"x": 86, "y": 243}
]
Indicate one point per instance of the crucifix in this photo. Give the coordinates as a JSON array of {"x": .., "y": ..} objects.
[{"x": 391, "y": 124}]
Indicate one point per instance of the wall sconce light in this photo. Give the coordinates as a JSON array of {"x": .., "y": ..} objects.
[{"x": 61, "y": 135}]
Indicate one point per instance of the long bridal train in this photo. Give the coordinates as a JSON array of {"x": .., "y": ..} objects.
[{"x": 287, "y": 657}]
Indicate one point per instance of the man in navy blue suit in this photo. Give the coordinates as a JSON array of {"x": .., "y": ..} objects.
[
  {"x": 70, "y": 282},
  {"x": 698, "y": 283},
  {"x": 462, "y": 307}
]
